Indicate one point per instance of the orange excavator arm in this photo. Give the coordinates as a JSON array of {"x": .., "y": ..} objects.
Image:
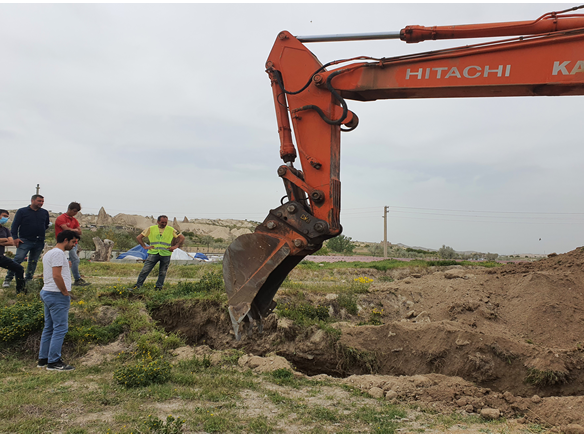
[{"x": 311, "y": 98}]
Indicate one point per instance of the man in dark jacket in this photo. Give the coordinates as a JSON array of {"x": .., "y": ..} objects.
[
  {"x": 5, "y": 262},
  {"x": 28, "y": 231}
]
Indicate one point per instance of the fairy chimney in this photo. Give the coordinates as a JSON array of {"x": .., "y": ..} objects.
[
  {"x": 103, "y": 218},
  {"x": 175, "y": 225}
]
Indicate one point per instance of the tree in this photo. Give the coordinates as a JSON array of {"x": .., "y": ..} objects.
[
  {"x": 341, "y": 244},
  {"x": 207, "y": 240},
  {"x": 491, "y": 257},
  {"x": 375, "y": 249},
  {"x": 447, "y": 253}
]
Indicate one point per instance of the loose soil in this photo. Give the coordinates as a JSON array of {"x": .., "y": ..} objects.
[{"x": 503, "y": 341}]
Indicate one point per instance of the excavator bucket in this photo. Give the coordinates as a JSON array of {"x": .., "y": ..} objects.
[{"x": 254, "y": 267}]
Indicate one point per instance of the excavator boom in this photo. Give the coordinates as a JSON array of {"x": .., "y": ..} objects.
[{"x": 547, "y": 59}]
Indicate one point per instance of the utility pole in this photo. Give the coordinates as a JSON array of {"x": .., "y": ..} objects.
[
  {"x": 385, "y": 230},
  {"x": 37, "y": 189}
]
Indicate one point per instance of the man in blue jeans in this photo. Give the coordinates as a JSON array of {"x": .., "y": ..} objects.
[
  {"x": 161, "y": 246},
  {"x": 57, "y": 299},
  {"x": 67, "y": 221},
  {"x": 28, "y": 231}
]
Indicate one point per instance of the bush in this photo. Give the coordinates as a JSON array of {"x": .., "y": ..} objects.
[
  {"x": 172, "y": 425},
  {"x": 282, "y": 373},
  {"x": 447, "y": 252},
  {"x": 211, "y": 281},
  {"x": 144, "y": 373},
  {"x": 341, "y": 244},
  {"x": 361, "y": 284},
  {"x": 20, "y": 319},
  {"x": 348, "y": 301},
  {"x": 304, "y": 311},
  {"x": 322, "y": 251},
  {"x": 123, "y": 239},
  {"x": 95, "y": 334}
]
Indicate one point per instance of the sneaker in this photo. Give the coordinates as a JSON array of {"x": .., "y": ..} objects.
[
  {"x": 158, "y": 288},
  {"x": 42, "y": 363},
  {"x": 81, "y": 282},
  {"x": 59, "y": 366},
  {"x": 6, "y": 283}
]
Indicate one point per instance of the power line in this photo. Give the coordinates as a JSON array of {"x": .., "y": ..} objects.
[
  {"x": 489, "y": 222},
  {"x": 465, "y": 211}
]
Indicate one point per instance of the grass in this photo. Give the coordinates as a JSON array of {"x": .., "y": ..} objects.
[
  {"x": 543, "y": 378},
  {"x": 389, "y": 264},
  {"x": 195, "y": 395}
]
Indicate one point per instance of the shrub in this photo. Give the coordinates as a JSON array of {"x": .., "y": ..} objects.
[
  {"x": 155, "y": 342},
  {"x": 20, "y": 319},
  {"x": 143, "y": 373},
  {"x": 545, "y": 378},
  {"x": 322, "y": 251},
  {"x": 211, "y": 281},
  {"x": 171, "y": 426},
  {"x": 341, "y": 244},
  {"x": 375, "y": 318},
  {"x": 348, "y": 301},
  {"x": 305, "y": 311},
  {"x": 95, "y": 334},
  {"x": 282, "y": 373},
  {"x": 361, "y": 284},
  {"x": 123, "y": 239}
]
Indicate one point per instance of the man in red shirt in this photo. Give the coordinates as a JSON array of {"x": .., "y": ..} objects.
[{"x": 67, "y": 221}]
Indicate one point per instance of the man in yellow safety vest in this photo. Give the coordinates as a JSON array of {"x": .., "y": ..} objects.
[{"x": 160, "y": 249}]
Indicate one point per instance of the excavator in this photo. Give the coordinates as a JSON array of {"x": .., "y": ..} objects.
[{"x": 542, "y": 57}]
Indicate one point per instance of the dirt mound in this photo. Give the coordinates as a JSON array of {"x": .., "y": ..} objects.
[{"x": 507, "y": 339}]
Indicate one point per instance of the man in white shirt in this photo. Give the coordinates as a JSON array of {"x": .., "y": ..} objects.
[{"x": 57, "y": 299}]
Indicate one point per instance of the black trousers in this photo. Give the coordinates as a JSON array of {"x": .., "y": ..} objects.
[{"x": 11, "y": 265}]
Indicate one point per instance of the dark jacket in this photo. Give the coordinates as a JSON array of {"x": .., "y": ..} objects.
[{"x": 29, "y": 224}]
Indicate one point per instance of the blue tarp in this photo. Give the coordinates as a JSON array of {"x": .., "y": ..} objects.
[
  {"x": 137, "y": 251},
  {"x": 142, "y": 254}
]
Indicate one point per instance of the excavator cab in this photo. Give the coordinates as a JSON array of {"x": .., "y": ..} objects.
[{"x": 544, "y": 59}]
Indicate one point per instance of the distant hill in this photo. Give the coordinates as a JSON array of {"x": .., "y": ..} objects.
[{"x": 226, "y": 229}]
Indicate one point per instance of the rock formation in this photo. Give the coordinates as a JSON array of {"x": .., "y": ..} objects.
[
  {"x": 175, "y": 225},
  {"x": 103, "y": 250},
  {"x": 103, "y": 219}
]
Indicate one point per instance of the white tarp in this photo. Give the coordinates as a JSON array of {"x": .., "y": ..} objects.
[{"x": 179, "y": 254}]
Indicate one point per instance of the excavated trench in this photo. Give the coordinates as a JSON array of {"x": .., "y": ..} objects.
[
  {"x": 399, "y": 348},
  {"x": 509, "y": 338}
]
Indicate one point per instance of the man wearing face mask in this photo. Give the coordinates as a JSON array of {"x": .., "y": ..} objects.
[
  {"x": 5, "y": 262},
  {"x": 28, "y": 231}
]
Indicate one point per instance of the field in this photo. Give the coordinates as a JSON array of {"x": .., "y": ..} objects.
[{"x": 379, "y": 347}]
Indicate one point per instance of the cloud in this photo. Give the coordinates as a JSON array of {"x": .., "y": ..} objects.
[{"x": 166, "y": 108}]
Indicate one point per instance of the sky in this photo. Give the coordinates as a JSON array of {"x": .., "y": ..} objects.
[{"x": 166, "y": 109}]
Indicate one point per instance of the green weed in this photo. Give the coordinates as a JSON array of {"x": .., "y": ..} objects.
[
  {"x": 541, "y": 378},
  {"x": 381, "y": 420},
  {"x": 144, "y": 373},
  {"x": 304, "y": 312},
  {"x": 348, "y": 301},
  {"x": 20, "y": 319},
  {"x": 170, "y": 426}
]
